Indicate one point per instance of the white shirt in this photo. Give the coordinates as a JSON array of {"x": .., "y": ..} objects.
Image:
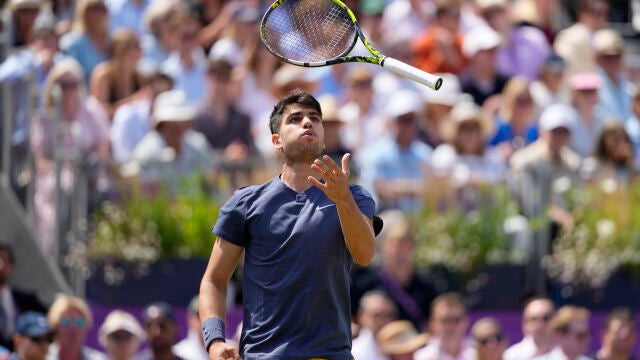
[
  {"x": 191, "y": 348},
  {"x": 557, "y": 354},
  {"x": 365, "y": 347},
  {"x": 131, "y": 123},
  {"x": 433, "y": 351},
  {"x": 524, "y": 350}
]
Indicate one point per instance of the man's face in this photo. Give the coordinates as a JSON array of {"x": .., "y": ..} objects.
[
  {"x": 576, "y": 341},
  {"x": 620, "y": 336},
  {"x": 536, "y": 318},
  {"x": 161, "y": 333},
  {"x": 376, "y": 313},
  {"x": 32, "y": 348},
  {"x": 301, "y": 135},
  {"x": 449, "y": 321}
]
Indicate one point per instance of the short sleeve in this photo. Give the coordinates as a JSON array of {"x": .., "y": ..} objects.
[
  {"x": 364, "y": 200},
  {"x": 232, "y": 218}
]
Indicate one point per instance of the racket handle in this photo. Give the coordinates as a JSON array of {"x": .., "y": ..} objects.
[{"x": 410, "y": 72}]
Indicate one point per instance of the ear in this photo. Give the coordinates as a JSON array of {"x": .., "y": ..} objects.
[{"x": 276, "y": 141}]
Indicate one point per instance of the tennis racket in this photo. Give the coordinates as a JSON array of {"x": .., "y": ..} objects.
[{"x": 315, "y": 33}]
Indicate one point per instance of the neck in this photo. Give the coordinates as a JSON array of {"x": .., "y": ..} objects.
[
  {"x": 187, "y": 59},
  {"x": 452, "y": 346},
  {"x": 543, "y": 344},
  {"x": 70, "y": 353},
  {"x": 610, "y": 354},
  {"x": 163, "y": 354},
  {"x": 295, "y": 175}
]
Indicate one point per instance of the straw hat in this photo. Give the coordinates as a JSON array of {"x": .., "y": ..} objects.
[
  {"x": 329, "y": 107},
  {"x": 463, "y": 112},
  {"x": 400, "y": 338}
]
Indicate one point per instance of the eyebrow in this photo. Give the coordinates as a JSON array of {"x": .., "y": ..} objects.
[{"x": 305, "y": 112}]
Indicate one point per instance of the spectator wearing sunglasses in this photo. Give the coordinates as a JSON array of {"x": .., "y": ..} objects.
[
  {"x": 489, "y": 339},
  {"x": 571, "y": 334},
  {"x": 121, "y": 335},
  {"x": 71, "y": 319},
  {"x": 32, "y": 337},
  {"x": 537, "y": 337}
]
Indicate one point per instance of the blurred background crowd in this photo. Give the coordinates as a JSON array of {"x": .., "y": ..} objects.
[{"x": 108, "y": 100}]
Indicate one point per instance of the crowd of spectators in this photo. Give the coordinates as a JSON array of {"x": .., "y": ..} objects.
[{"x": 107, "y": 92}]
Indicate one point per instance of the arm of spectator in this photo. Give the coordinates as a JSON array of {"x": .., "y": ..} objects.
[
  {"x": 15, "y": 67},
  {"x": 211, "y": 33},
  {"x": 99, "y": 86}
]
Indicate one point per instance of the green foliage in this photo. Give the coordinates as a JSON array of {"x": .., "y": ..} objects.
[
  {"x": 469, "y": 234},
  {"x": 605, "y": 236},
  {"x": 145, "y": 228}
]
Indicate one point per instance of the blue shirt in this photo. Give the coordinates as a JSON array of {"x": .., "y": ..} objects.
[
  {"x": 124, "y": 14},
  {"x": 81, "y": 48},
  {"x": 505, "y": 134},
  {"x": 191, "y": 81},
  {"x": 296, "y": 270}
]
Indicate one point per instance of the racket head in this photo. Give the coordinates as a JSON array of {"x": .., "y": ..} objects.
[{"x": 309, "y": 32}]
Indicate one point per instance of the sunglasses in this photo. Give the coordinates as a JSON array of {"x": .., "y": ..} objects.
[
  {"x": 48, "y": 338},
  {"x": 77, "y": 322},
  {"x": 496, "y": 338},
  {"x": 68, "y": 84},
  {"x": 452, "y": 320}
]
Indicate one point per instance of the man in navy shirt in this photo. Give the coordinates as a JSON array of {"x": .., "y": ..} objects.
[{"x": 301, "y": 232}]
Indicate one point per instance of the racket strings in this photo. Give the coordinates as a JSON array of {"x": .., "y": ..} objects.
[{"x": 309, "y": 30}]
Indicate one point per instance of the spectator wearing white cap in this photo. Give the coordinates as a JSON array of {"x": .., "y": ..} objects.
[
  {"x": 466, "y": 160},
  {"x": 584, "y": 98},
  {"x": 172, "y": 153},
  {"x": 482, "y": 80},
  {"x": 544, "y": 170},
  {"x": 616, "y": 91},
  {"x": 121, "y": 335},
  {"x": 132, "y": 121},
  {"x": 395, "y": 167}
]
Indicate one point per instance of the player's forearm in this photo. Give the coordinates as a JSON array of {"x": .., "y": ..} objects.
[
  {"x": 212, "y": 299},
  {"x": 357, "y": 231}
]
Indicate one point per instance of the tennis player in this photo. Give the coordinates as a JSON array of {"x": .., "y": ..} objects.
[{"x": 301, "y": 231}]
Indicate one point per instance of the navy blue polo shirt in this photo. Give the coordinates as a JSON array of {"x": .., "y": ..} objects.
[{"x": 296, "y": 271}]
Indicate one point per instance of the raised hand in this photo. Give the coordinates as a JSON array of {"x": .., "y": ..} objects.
[{"x": 336, "y": 180}]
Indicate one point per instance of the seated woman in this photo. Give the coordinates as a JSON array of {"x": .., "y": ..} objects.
[
  {"x": 613, "y": 158},
  {"x": 465, "y": 160},
  {"x": 515, "y": 118},
  {"x": 116, "y": 80}
]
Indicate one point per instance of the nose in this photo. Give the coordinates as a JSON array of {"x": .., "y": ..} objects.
[{"x": 307, "y": 123}]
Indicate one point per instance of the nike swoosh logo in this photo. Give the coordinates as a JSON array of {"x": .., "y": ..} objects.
[{"x": 324, "y": 207}]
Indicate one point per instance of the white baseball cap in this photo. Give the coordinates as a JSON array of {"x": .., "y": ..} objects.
[
  {"x": 119, "y": 320},
  {"x": 556, "y": 116},
  {"x": 480, "y": 38},
  {"x": 404, "y": 102},
  {"x": 172, "y": 106}
]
